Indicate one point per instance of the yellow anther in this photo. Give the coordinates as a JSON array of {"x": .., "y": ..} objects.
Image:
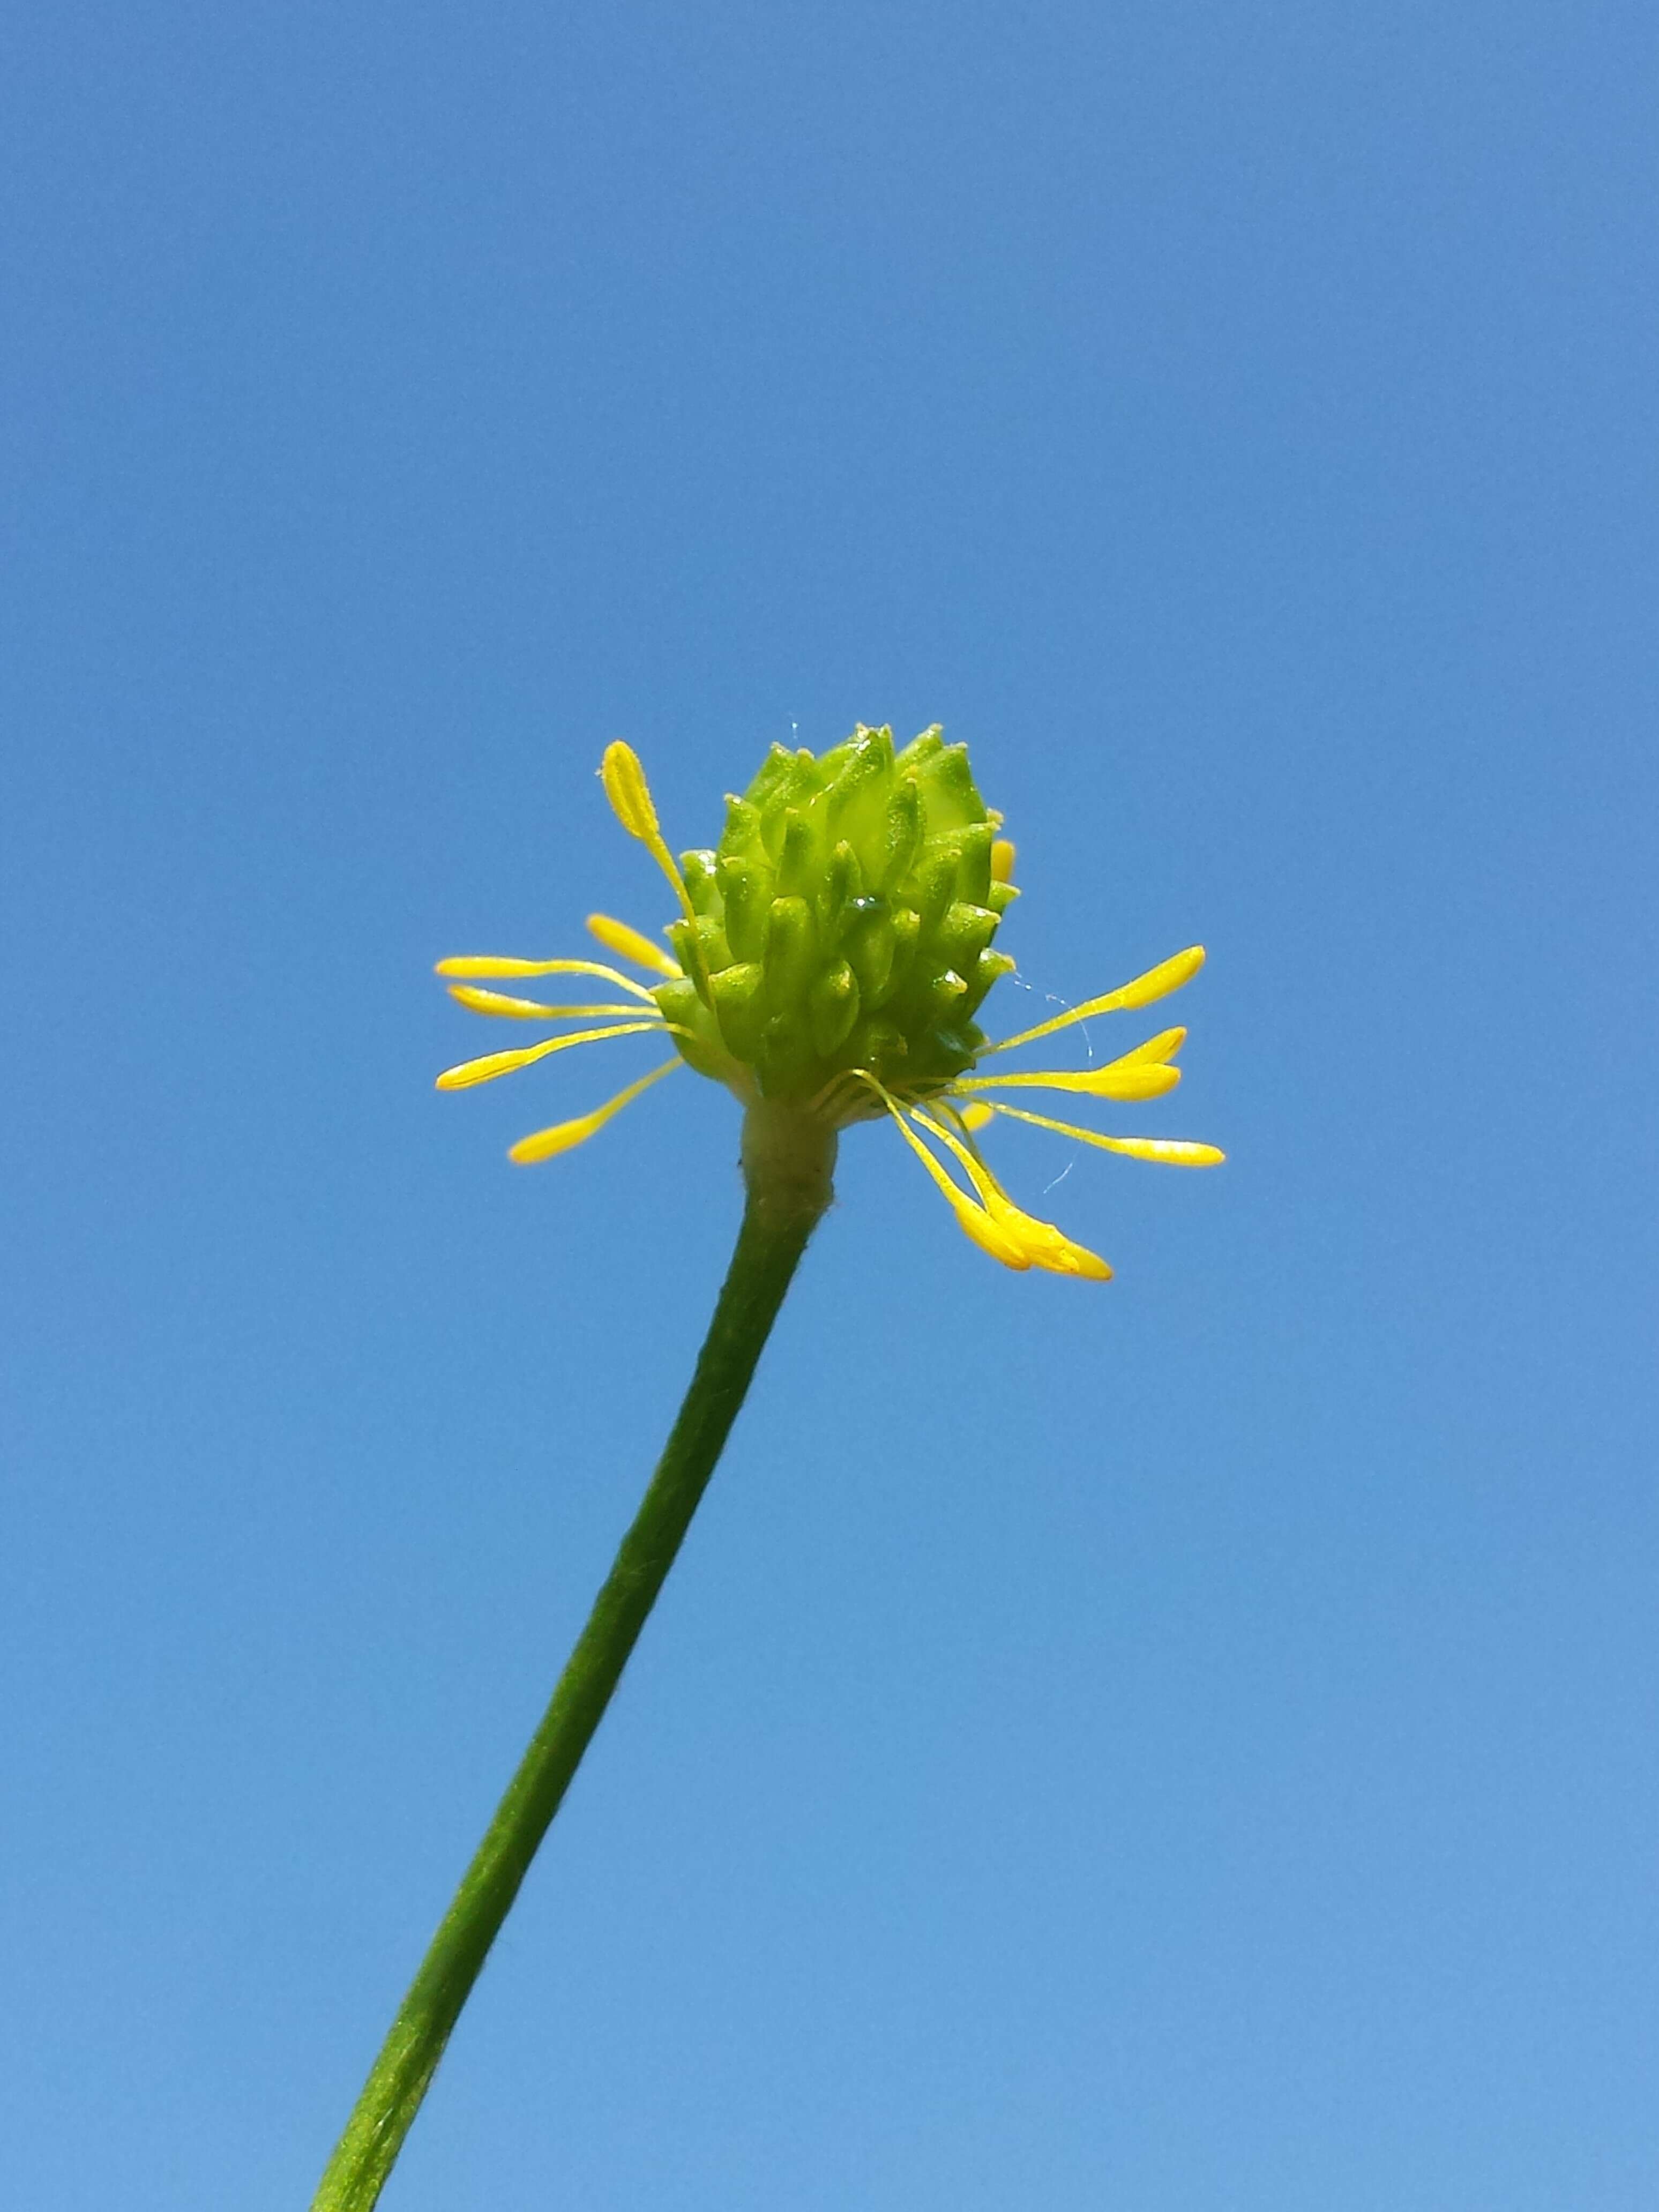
[
  {"x": 630, "y": 794},
  {"x": 1170, "y": 1151},
  {"x": 977, "y": 1117},
  {"x": 989, "y": 1234},
  {"x": 1002, "y": 860},
  {"x": 1164, "y": 1046},
  {"x": 1144, "y": 1079},
  {"x": 565, "y": 1136},
  {"x": 493, "y": 1063},
  {"x": 1157, "y": 983},
  {"x": 1051, "y": 1248},
  {"x": 617, "y": 937}
]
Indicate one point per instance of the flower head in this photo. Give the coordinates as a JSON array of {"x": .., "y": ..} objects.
[{"x": 831, "y": 956}]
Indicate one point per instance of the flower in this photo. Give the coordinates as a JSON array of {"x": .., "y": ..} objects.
[{"x": 830, "y": 956}]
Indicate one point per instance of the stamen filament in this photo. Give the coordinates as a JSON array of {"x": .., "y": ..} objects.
[
  {"x": 565, "y": 1136},
  {"x": 469, "y": 1072},
  {"x": 481, "y": 968},
  {"x": 820, "y": 1103},
  {"x": 989, "y": 1189},
  {"x": 528, "y": 1009},
  {"x": 1157, "y": 983}
]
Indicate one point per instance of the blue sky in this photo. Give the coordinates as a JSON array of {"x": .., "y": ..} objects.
[{"x": 1183, "y": 1744}]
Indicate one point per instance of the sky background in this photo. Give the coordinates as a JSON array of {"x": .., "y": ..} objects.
[{"x": 1188, "y": 1744}]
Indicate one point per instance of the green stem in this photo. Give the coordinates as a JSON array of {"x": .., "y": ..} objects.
[{"x": 788, "y": 1159}]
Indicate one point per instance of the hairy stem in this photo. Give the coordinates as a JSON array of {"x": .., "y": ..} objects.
[{"x": 787, "y": 1160}]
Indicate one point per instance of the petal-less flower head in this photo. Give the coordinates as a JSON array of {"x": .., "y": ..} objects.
[{"x": 831, "y": 955}]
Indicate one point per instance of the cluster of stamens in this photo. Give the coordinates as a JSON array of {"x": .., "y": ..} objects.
[{"x": 830, "y": 956}]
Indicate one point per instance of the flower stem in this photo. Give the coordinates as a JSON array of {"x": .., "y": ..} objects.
[{"x": 788, "y": 1159}]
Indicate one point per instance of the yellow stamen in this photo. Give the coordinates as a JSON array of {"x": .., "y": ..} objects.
[
  {"x": 1002, "y": 860},
  {"x": 565, "y": 1136},
  {"x": 1157, "y": 983},
  {"x": 1172, "y": 1151},
  {"x": 630, "y": 794},
  {"x": 617, "y": 937},
  {"x": 503, "y": 1063},
  {"x": 482, "y": 968},
  {"x": 977, "y": 1117},
  {"x": 1115, "y": 1081},
  {"x": 973, "y": 1220},
  {"x": 1044, "y": 1244},
  {"x": 1142, "y": 1073},
  {"x": 526, "y": 1009}
]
